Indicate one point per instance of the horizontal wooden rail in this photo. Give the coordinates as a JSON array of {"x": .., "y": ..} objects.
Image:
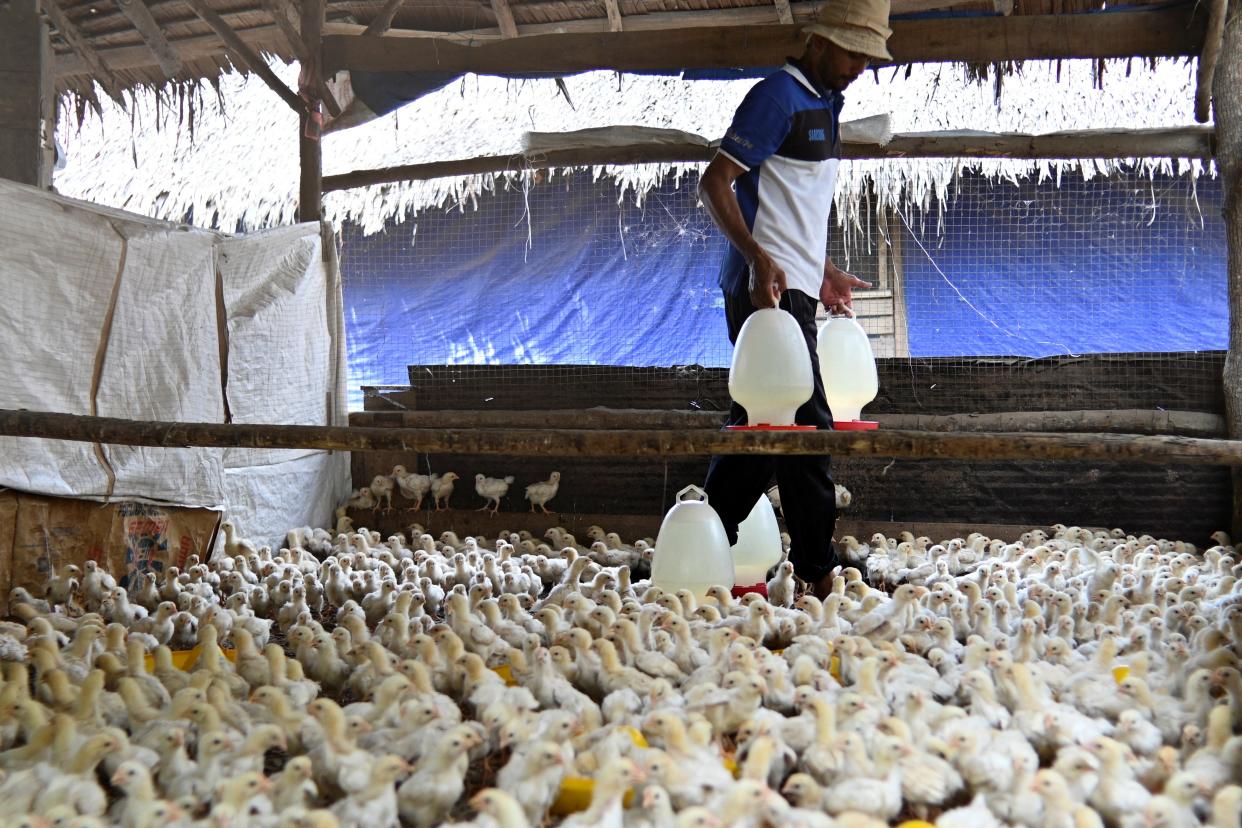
[
  {"x": 628, "y": 443},
  {"x": 1123, "y": 421},
  {"x": 1173, "y": 142}
]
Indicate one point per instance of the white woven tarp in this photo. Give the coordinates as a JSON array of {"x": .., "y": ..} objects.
[{"x": 109, "y": 313}]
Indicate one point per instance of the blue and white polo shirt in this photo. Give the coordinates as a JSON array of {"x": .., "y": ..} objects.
[{"x": 786, "y": 136}]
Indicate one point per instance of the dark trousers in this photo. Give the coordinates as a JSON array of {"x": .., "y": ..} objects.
[{"x": 808, "y": 497}]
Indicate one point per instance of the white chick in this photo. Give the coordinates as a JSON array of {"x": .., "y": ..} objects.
[
  {"x": 540, "y": 493},
  {"x": 781, "y": 588},
  {"x": 427, "y": 796},
  {"x": 532, "y": 776},
  {"x": 376, "y": 804},
  {"x": 381, "y": 487},
  {"x": 492, "y": 489},
  {"x": 442, "y": 489},
  {"x": 889, "y": 620},
  {"x": 498, "y": 806},
  {"x": 1118, "y": 793},
  {"x": 413, "y": 486}
]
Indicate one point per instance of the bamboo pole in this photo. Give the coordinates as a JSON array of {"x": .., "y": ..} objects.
[{"x": 628, "y": 443}]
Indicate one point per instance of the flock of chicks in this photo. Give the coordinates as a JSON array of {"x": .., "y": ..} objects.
[
  {"x": 1068, "y": 680},
  {"x": 415, "y": 487}
]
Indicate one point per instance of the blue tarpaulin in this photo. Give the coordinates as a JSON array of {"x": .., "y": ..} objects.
[{"x": 569, "y": 273}]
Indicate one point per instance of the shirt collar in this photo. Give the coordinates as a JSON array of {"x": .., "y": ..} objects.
[
  {"x": 792, "y": 68},
  {"x": 837, "y": 99}
]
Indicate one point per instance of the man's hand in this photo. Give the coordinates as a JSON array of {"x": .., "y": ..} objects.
[
  {"x": 767, "y": 280},
  {"x": 837, "y": 290}
]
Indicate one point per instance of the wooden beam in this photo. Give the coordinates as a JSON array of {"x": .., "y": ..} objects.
[
  {"x": 1185, "y": 142},
  {"x": 783, "y": 13},
  {"x": 1174, "y": 142},
  {"x": 310, "y": 149},
  {"x": 248, "y": 57},
  {"x": 1119, "y": 421},
  {"x": 1207, "y": 60},
  {"x": 802, "y": 11},
  {"x": 99, "y": 70},
  {"x": 504, "y": 18},
  {"x": 628, "y": 443},
  {"x": 383, "y": 20},
  {"x": 1165, "y": 33},
  {"x": 165, "y": 53},
  {"x": 279, "y": 12},
  {"x": 613, "y": 9}
]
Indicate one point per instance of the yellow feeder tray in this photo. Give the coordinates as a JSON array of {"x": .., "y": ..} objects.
[
  {"x": 187, "y": 660},
  {"x": 915, "y": 823},
  {"x": 1121, "y": 673},
  {"x": 505, "y": 673},
  {"x": 576, "y": 791},
  {"x": 834, "y": 668}
]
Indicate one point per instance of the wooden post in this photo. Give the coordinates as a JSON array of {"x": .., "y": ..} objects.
[
  {"x": 27, "y": 98},
  {"x": 310, "y": 193},
  {"x": 1227, "y": 104}
]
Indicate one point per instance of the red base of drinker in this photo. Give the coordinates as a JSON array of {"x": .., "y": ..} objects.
[
  {"x": 765, "y": 427},
  {"x": 761, "y": 588},
  {"x": 855, "y": 425}
]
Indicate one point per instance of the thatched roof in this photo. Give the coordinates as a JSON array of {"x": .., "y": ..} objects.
[
  {"x": 106, "y": 28},
  {"x": 239, "y": 167}
]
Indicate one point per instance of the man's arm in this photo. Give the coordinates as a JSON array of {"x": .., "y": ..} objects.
[{"x": 767, "y": 280}]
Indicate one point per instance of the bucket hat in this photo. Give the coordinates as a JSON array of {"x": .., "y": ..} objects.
[{"x": 854, "y": 25}]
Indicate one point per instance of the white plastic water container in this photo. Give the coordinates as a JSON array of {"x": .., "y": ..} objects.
[
  {"x": 758, "y": 546},
  {"x": 847, "y": 366},
  {"x": 771, "y": 372},
  {"x": 692, "y": 549}
]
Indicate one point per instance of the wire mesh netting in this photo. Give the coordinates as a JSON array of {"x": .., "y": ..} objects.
[{"x": 997, "y": 275}]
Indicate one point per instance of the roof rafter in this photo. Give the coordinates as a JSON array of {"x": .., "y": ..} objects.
[
  {"x": 165, "y": 53},
  {"x": 504, "y": 18},
  {"x": 784, "y": 12},
  {"x": 279, "y": 11},
  {"x": 383, "y": 20},
  {"x": 102, "y": 74},
  {"x": 613, "y": 10},
  {"x": 250, "y": 59}
]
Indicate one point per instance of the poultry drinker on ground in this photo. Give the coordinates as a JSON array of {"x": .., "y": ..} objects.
[
  {"x": 758, "y": 548},
  {"x": 1069, "y": 679},
  {"x": 692, "y": 550}
]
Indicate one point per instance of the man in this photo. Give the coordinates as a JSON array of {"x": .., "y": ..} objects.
[{"x": 781, "y": 153}]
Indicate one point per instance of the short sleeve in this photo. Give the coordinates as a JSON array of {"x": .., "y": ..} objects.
[{"x": 759, "y": 127}]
